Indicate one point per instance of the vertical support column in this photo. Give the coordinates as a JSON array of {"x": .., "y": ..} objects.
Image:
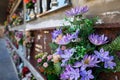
[
  {"x": 24, "y": 11},
  {"x": 38, "y": 6},
  {"x": 24, "y": 22}
]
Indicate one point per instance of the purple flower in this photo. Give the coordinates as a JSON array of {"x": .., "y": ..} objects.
[
  {"x": 77, "y": 11},
  {"x": 70, "y": 73},
  {"x": 59, "y": 51},
  {"x": 86, "y": 75},
  {"x": 65, "y": 40},
  {"x": 19, "y": 34},
  {"x": 68, "y": 37},
  {"x": 88, "y": 61},
  {"x": 55, "y": 33},
  {"x": 102, "y": 55},
  {"x": 109, "y": 63},
  {"x": 66, "y": 55},
  {"x": 98, "y": 39},
  {"x": 75, "y": 35}
]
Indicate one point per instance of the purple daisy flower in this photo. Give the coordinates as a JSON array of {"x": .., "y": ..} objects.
[
  {"x": 68, "y": 37},
  {"x": 75, "y": 35},
  {"x": 55, "y": 33},
  {"x": 86, "y": 75},
  {"x": 88, "y": 61},
  {"x": 109, "y": 63},
  {"x": 77, "y": 11},
  {"x": 66, "y": 55},
  {"x": 59, "y": 51},
  {"x": 65, "y": 40},
  {"x": 70, "y": 73},
  {"x": 102, "y": 55},
  {"x": 98, "y": 39}
]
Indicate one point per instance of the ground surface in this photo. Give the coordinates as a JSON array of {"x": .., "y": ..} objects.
[{"x": 7, "y": 70}]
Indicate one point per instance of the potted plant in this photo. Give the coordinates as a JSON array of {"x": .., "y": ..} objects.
[
  {"x": 45, "y": 65},
  {"x": 85, "y": 54}
]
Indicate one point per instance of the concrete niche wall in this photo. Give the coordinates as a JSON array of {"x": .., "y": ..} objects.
[{"x": 107, "y": 10}]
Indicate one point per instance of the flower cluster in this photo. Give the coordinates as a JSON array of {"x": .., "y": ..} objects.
[
  {"x": 70, "y": 73},
  {"x": 25, "y": 71},
  {"x": 56, "y": 33},
  {"x": 77, "y": 11},
  {"x": 28, "y": 40},
  {"x": 74, "y": 74},
  {"x": 19, "y": 36},
  {"x": 98, "y": 39},
  {"x": 16, "y": 19},
  {"x": 66, "y": 55},
  {"x": 29, "y": 3},
  {"x": 44, "y": 60},
  {"x": 26, "y": 74},
  {"x": 104, "y": 56},
  {"x": 79, "y": 59},
  {"x": 64, "y": 39},
  {"x": 87, "y": 61}
]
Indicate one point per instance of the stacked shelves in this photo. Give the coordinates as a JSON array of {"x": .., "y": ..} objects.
[
  {"x": 26, "y": 62},
  {"x": 15, "y": 5}
]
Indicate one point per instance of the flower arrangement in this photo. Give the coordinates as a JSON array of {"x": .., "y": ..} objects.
[
  {"x": 29, "y": 3},
  {"x": 44, "y": 61},
  {"x": 25, "y": 71},
  {"x": 26, "y": 74},
  {"x": 28, "y": 40},
  {"x": 16, "y": 19},
  {"x": 80, "y": 53},
  {"x": 19, "y": 37}
]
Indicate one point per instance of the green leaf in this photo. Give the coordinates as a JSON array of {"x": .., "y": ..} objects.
[
  {"x": 52, "y": 77},
  {"x": 57, "y": 67},
  {"x": 114, "y": 45},
  {"x": 117, "y": 61},
  {"x": 53, "y": 46}
]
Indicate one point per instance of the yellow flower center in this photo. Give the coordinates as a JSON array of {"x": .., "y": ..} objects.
[{"x": 86, "y": 61}]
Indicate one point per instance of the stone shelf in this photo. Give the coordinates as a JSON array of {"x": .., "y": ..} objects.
[
  {"x": 15, "y": 6},
  {"x": 27, "y": 63}
]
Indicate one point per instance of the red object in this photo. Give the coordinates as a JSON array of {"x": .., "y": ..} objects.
[
  {"x": 26, "y": 1},
  {"x": 25, "y": 71},
  {"x": 41, "y": 69}
]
